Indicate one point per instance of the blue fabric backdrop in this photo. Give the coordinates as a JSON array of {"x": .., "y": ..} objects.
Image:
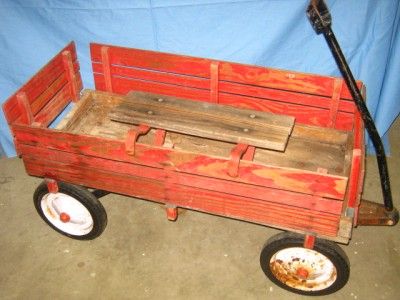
[{"x": 273, "y": 33}]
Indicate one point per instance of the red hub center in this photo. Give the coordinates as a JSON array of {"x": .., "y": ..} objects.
[
  {"x": 302, "y": 273},
  {"x": 64, "y": 217}
]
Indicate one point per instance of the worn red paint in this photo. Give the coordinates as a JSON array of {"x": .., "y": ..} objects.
[{"x": 291, "y": 199}]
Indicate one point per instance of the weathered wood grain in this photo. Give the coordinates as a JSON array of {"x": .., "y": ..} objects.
[
  {"x": 240, "y": 207},
  {"x": 314, "y": 183},
  {"x": 44, "y": 85},
  {"x": 205, "y": 120}
]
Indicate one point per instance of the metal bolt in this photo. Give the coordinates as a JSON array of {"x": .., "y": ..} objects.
[
  {"x": 245, "y": 130},
  {"x": 160, "y": 99},
  {"x": 252, "y": 116},
  {"x": 150, "y": 112}
]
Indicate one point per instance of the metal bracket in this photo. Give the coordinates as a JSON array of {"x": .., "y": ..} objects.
[{"x": 371, "y": 213}]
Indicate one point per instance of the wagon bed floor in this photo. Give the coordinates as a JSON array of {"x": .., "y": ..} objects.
[{"x": 308, "y": 148}]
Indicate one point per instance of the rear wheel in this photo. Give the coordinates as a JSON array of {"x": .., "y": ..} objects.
[
  {"x": 72, "y": 211},
  {"x": 319, "y": 271}
]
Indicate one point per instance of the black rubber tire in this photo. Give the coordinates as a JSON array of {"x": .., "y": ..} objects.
[
  {"x": 82, "y": 195},
  {"x": 332, "y": 251}
]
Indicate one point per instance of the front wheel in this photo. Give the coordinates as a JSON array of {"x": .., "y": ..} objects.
[
  {"x": 72, "y": 211},
  {"x": 319, "y": 271}
]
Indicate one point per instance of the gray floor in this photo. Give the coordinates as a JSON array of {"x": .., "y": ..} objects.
[{"x": 142, "y": 255}]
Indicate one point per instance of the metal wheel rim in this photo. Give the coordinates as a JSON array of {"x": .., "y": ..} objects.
[
  {"x": 66, "y": 214},
  {"x": 303, "y": 269}
]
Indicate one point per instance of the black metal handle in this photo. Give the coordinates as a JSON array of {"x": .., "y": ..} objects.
[{"x": 321, "y": 21}]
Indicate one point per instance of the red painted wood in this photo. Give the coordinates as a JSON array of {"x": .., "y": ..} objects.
[
  {"x": 357, "y": 170},
  {"x": 309, "y": 241},
  {"x": 259, "y": 76},
  {"x": 105, "y": 59},
  {"x": 236, "y": 154},
  {"x": 70, "y": 75},
  {"x": 240, "y": 189},
  {"x": 214, "y": 81},
  {"x": 132, "y": 136},
  {"x": 53, "y": 108},
  {"x": 88, "y": 173},
  {"x": 249, "y": 154},
  {"x": 152, "y": 60},
  {"x": 24, "y": 108},
  {"x": 226, "y": 87},
  {"x": 354, "y": 175},
  {"x": 172, "y": 212},
  {"x": 258, "y": 192},
  {"x": 243, "y": 208},
  {"x": 212, "y": 202},
  {"x": 334, "y": 103},
  {"x": 42, "y": 86},
  {"x": 100, "y": 179},
  {"x": 303, "y": 114},
  {"x": 150, "y": 75},
  {"x": 324, "y": 185},
  {"x": 52, "y": 185},
  {"x": 159, "y": 137}
]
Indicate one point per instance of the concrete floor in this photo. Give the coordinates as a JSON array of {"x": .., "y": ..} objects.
[{"x": 143, "y": 256}]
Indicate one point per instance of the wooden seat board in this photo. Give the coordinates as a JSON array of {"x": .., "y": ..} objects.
[{"x": 214, "y": 121}]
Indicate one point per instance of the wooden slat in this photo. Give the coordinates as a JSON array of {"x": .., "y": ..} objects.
[
  {"x": 251, "y": 191},
  {"x": 224, "y": 87},
  {"x": 267, "y": 213},
  {"x": 205, "y": 120},
  {"x": 303, "y": 114},
  {"x": 178, "y": 189},
  {"x": 212, "y": 202},
  {"x": 100, "y": 179},
  {"x": 43, "y": 85},
  {"x": 252, "y": 75},
  {"x": 54, "y": 107},
  {"x": 309, "y": 147},
  {"x": 313, "y": 183}
]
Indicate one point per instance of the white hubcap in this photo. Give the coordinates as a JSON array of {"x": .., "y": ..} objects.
[
  {"x": 303, "y": 269},
  {"x": 66, "y": 213}
]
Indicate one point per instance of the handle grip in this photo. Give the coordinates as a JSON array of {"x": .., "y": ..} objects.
[{"x": 319, "y": 15}]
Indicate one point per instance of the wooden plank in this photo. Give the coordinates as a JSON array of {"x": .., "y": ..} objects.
[
  {"x": 43, "y": 88},
  {"x": 223, "y": 186},
  {"x": 199, "y": 67},
  {"x": 54, "y": 107},
  {"x": 309, "y": 148},
  {"x": 271, "y": 214},
  {"x": 206, "y": 120},
  {"x": 98, "y": 179},
  {"x": 212, "y": 202},
  {"x": 225, "y": 87},
  {"x": 159, "y": 61},
  {"x": 24, "y": 108},
  {"x": 70, "y": 75},
  {"x": 39, "y": 82},
  {"x": 313, "y": 183},
  {"x": 304, "y": 114},
  {"x": 107, "y": 175}
]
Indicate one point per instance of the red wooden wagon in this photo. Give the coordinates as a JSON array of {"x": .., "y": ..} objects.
[{"x": 307, "y": 179}]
